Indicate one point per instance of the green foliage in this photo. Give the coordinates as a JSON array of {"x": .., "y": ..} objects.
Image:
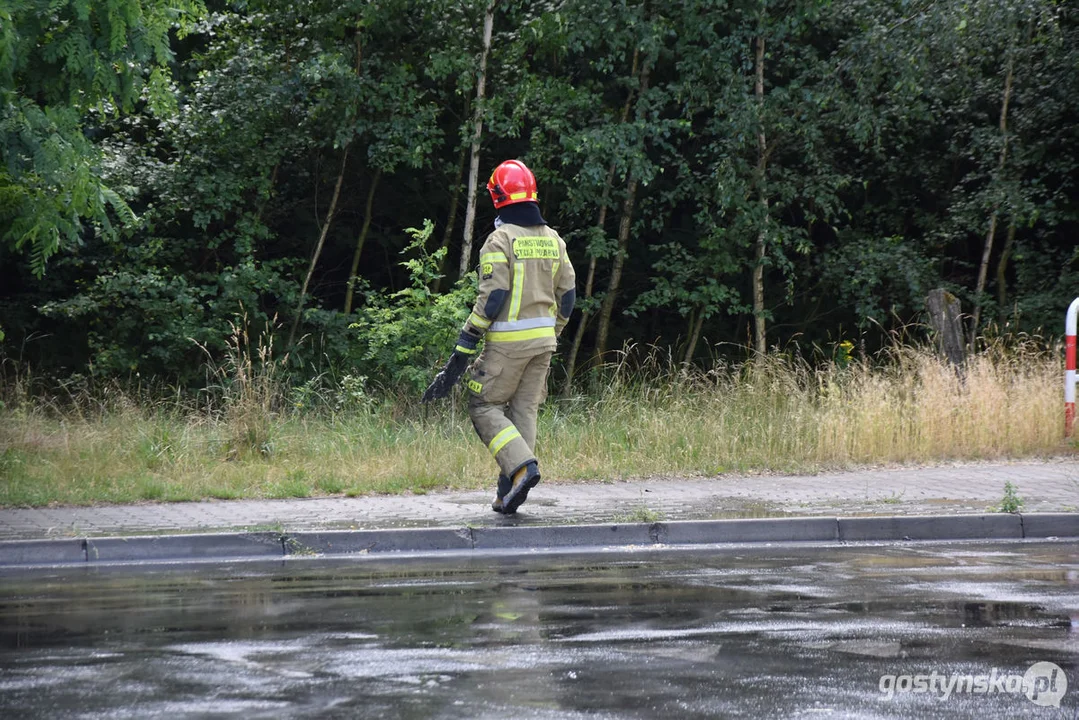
[
  {"x": 51, "y": 182},
  {"x": 150, "y": 321},
  {"x": 1011, "y": 502},
  {"x": 408, "y": 333},
  {"x": 86, "y": 53},
  {"x": 350, "y": 395},
  {"x": 927, "y": 104},
  {"x": 168, "y": 164},
  {"x": 640, "y": 514},
  {"x": 868, "y": 272},
  {"x": 65, "y": 67}
]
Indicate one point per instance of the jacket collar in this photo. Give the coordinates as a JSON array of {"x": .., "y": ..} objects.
[{"x": 525, "y": 214}]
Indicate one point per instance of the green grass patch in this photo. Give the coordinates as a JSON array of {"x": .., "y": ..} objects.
[
  {"x": 225, "y": 493},
  {"x": 151, "y": 488},
  {"x": 330, "y": 485},
  {"x": 288, "y": 489},
  {"x": 640, "y": 514}
]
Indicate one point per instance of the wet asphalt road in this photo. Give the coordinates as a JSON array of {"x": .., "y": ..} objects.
[{"x": 747, "y": 631}]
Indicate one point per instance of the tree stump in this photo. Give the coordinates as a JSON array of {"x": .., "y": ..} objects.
[{"x": 945, "y": 319}]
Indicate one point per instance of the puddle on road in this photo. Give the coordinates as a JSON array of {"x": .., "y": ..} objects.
[{"x": 743, "y": 631}]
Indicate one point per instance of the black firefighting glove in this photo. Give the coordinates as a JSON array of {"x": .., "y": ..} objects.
[{"x": 462, "y": 355}]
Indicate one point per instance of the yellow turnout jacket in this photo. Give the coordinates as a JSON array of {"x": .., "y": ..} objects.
[{"x": 526, "y": 290}]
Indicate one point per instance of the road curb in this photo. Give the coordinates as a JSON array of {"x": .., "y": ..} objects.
[
  {"x": 268, "y": 545},
  {"x": 933, "y": 527}
]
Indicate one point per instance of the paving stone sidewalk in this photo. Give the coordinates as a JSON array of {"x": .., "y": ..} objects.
[{"x": 1045, "y": 486}]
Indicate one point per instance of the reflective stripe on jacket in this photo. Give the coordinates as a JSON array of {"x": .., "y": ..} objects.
[{"x": 532, "y": 269}]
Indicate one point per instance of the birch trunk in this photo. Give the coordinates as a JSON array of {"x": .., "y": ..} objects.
[
  {"x": 695, "y": 325},
  {"x": 601, "y": 222},
  {"x": 983, "y": 267},
  {"x": 298, "y": 315},
  {"x": 368, "y": 207},
  {"x": 571, "y": 360},
  {"x": 477, "y": 134},
  {"x": 626, "y": 222},
  {"x": 760, "y": 248},
  {"x": 447, "y": 234},
  {"x": 1002, "y": 269}
]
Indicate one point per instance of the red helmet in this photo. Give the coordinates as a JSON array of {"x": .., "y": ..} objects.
[{"x": 512, "y": 182}]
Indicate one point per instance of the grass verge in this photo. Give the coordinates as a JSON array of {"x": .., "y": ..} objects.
[{"x": 649, "y": 418}]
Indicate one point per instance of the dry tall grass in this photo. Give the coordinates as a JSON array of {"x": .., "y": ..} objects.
[
  {"x": 651, "y": 417},
  {"x": 783, "y": 414}
]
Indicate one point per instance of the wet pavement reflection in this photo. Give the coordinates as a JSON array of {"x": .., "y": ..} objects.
[{"x": 757, "y": 631}]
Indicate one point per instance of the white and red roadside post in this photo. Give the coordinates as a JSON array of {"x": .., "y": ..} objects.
[{"x": 1069, "y": 367}]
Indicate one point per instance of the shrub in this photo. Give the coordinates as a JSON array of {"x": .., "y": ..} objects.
[{"x": 409, "y": 333}]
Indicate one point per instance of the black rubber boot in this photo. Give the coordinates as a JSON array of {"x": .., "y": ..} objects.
[
  {"x": 504, "y": 486},
  {"x": 524, "y": 480}
]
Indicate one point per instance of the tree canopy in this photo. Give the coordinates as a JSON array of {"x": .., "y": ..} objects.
[{"x": 727, "y": 173}]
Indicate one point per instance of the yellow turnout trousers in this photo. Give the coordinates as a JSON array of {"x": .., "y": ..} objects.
[{"x": 506, "y": 393}]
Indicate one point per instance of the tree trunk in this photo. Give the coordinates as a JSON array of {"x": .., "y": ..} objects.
[
  {"x": 455, "y": 197},
  {"x": 571, "y": 359},
  {"x": 477, "y": 134},
  {"x": 1002, "y": 269},
  {"x": 601, "y": 222},
  {"x": 695, "y": 325},
  {"x": 945, "y": 317},
  {"x": 759, "y": 337},
  {"x": 760, "y": 344},
  {"x": 983, "y": 267},
  {"x": 607, "y": 308},
  {"x": 360, "y": 241},
  {"x": 363, "y": 233},
  {"x": 298, "y": 315}
]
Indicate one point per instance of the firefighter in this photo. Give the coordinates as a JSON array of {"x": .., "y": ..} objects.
[{"x": 526, "y": 294}]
